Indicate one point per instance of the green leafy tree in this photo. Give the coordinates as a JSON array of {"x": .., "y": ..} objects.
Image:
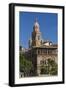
[
  {"x": 25, "y": 65},
  {"x": 51, "y": 68},
  {"x": 44, "y": 70}
]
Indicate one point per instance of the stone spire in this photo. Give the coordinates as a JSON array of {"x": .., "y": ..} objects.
[{"x": 36, "y": 26}]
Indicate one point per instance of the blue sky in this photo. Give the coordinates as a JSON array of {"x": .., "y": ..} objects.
[{"x": 48, "y": 26}]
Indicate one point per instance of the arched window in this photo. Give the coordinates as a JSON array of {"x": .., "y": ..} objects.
[
  {"x": 38, "y": 37},
  {"x": 44, "y": 62},
  {"x": 38, "y": 51}
]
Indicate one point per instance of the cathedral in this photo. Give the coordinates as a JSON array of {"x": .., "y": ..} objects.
[{"x": 42, "y": 52}]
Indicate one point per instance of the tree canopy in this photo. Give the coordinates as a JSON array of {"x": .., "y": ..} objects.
[{"x": 25, "y": 65}]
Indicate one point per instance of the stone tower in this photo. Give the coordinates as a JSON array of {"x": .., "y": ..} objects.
[{"x": 36, "y": 35}]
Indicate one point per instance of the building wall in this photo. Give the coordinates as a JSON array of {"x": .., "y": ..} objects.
[{"x": 44, "y": 57}]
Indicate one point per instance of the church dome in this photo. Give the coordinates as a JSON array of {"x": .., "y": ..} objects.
[{"x": 36, "y": 24}]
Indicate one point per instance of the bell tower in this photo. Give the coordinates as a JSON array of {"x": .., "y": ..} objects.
[{"x": 36, "y": 34}]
